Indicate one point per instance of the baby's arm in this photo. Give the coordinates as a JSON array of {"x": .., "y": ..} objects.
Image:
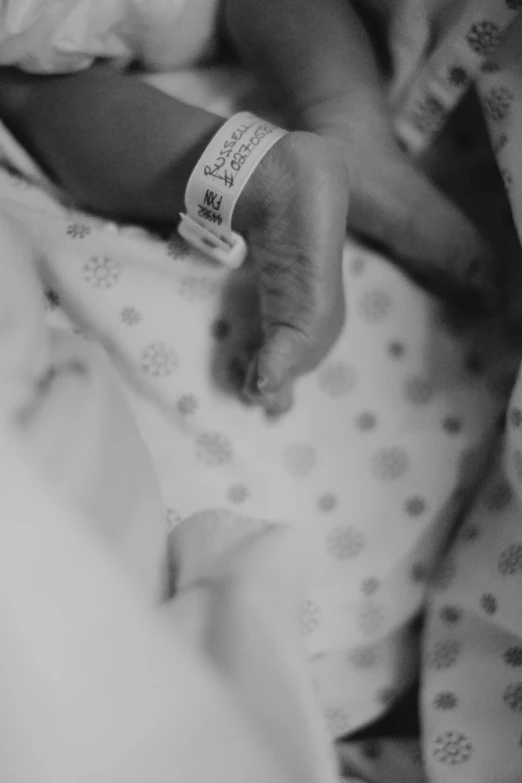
[
  {"x": 120, "y": 147},
  {"x": 319, "y": 55},
  {"x": 115, "y": 145}
]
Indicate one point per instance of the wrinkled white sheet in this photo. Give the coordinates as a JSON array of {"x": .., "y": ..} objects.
[
  {"x": 54, "y": 36},
  {"x": 98, "y": 682}
]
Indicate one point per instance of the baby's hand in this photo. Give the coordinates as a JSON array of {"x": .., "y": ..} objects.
[{"x": 293, "y": 215}]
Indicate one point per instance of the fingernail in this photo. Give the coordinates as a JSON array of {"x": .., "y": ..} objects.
[{"x": 262, "y": 383}]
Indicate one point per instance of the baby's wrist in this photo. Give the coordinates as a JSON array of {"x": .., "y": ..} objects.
[
  {"x": 275, "y": 184},
  {"x": 262, "y": 189},
  {"x": 226, "y": 193}
]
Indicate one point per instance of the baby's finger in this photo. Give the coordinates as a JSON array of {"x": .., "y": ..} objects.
[
  {"x": 278, "y": 404},
  {"x": 275, "y": 403},
  {"x": 427, "y": 235},
  {"x": 283, "y": 351}
]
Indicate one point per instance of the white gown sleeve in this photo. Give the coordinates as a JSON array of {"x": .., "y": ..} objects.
[{"x": 58, "y": 36}]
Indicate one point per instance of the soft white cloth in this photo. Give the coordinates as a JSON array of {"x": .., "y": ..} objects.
[
  {"x": 68, "y": 35},
  {"x": 97, "y": 683},
  {"x": 395, "y": 409}
]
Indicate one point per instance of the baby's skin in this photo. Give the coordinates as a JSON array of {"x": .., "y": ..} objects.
[{"x": 101, "y": 135}]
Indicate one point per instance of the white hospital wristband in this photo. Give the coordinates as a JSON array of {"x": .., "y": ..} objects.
[{"x": 216, "y": 183}]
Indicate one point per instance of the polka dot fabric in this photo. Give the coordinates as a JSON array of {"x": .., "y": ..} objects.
[
  {"x": 472, "y": 694},
  {"x": 386, "y": 441},
  {"x": 366, "y": 466},
  {"x": 464, "y": 52},
  {"x": 472, "y": 656}
]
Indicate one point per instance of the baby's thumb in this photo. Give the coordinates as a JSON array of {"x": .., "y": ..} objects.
[{"x": 282, "y": 352}]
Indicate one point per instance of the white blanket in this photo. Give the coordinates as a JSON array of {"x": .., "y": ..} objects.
[{"x": 313, "y": 538}]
